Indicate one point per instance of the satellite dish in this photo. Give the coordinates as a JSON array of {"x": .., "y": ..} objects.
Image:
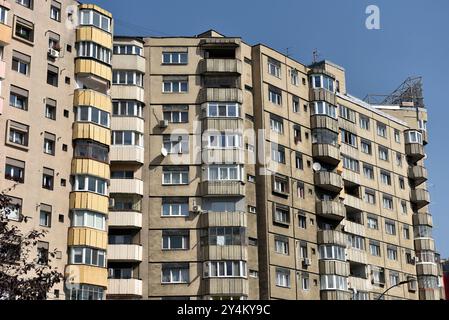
[
  {"x": 316, "y": 166},
  {"x": 164, "y": 151}
]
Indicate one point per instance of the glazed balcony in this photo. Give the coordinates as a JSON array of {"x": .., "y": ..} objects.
[
  {"x": 220, "y": 66},
  {"x": 93, "y": 73},
  {"x": 420, "y": 197},
  {"x": 125, "y": 219},
  {"x": 422, "y": 219},
  {"x": 128, "y": 186},
  {"x": 331, "y": 209},
  {"x": 418, "y": 174},
  {"x": 234, "y": 252},
  {"x": 326, "y": 153},
  {"x": 330, "y": 181},
  {"x": 222, "y": 188},
  {"x": 332, "y": 237},
  {"x": 125, "y": 252},
  {"x": 322, "y": 94},
  {"x": 122, "y": 287},
  {"x": 424, "y": 244},
  {"x": 427, "y": 269},
  {"x": 415, "y": 151},
  {"x": 220, "y": 95},
  {"x": 225, "y": 286},
  {"x": 224, "y": 219},
  {"x": 323, "y": 121}
]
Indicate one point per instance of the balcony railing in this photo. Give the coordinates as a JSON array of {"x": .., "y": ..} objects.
[
  {"x": 229, "y": 252},
  {"x": 322, "y": 95},
  {"x": 215, "y": 66},
  {"x": 128, "y": 186},
  {"x": 418, "y": 174},
  {"x": 323, "y": 121},
  {"x": 124, "y": 287},
  {"x": 415, "y": 151},
  {"x": 220, "y": 95},
  {"x": 330, "y": 181},
  {"x": 222, "y": 188},
  {"x": 326, "y": 153},
  {"x": 125, "y": 252},
  {"x": 124, "y": 219},
  {"x": 420, "y": 197},
  {"x": 224, "y": 219},
  {"x": 331, "y": 209},
  {"x": 225, "y": 286},
  {"x": 332, "y": 237}
]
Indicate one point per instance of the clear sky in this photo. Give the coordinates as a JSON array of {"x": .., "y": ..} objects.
[{"x": 413, "y": 40}]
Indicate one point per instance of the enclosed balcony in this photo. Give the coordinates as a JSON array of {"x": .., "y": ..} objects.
[
  {"x": 122, "y": 287},
  {"x": 427, "y": 268},
  {"x": 423, "y": 219},
  {"x": 222, "y": 188},
  {"x": 220, "y": 95},
  {"x": 415, "y": 151},
  {"x": 330, "y": 181},
  {"x": 128, "y": 186},
  {"x": 225, "y": 286},
  {"x": 223, "y": 219},
  {"x": 321, "y": 94},
  {"x": 332, "y": 237},
  {"x": 420, "y": 197},
  {"x": 340, "y": 268},
  {"x": 324, "y": 121},
  {"x": 332, "y": 209},
  {"x": 125, "y": 252},
  {"x": 93, "y": 73},
  {"x": 326, "y": 153},
  {"x": 125, "y": 219},
  {"x": 220, "y": 66},
  {"x": 418, "y": 174},
  {"x": 424, "y": 244}
]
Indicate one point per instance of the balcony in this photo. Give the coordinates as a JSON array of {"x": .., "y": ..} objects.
[
  {"x": 331, "y": 237},
  {"x": 335, "y": 295},
  {"x": 129, "y": 62},
  {"x": 330, "y": 181},
  {"x": 222, "y": 188},
  {"x": 326, "y": 153},
  {"x": 220, "y": 66},
  {"x": 128, "y": 186},
  {"x": 429, "y": 294},
  {"x": 213, "y": 252},
  {"x": 94, "y": 34},
  {"x": 87, "y": 97},
  {"x": 420, "y": 197},
  {"x": 125, "y": 219},
  {"x": 355, "y": 255},
  {"x": 76, "y": 274},
  {"x": 418, "y": 174},
  {"x": 89, "y": 201},
  {"x": 424, "y": 244},
  {"x": 2, "y": 70},
  {"x": 90, "y": 167},
  {"x": 223, "y": 219},
  {"x": 322, "y": 95},
  {"x": 422, "y": 219},
  {"x": 350, "y": 178},
  {"x": 322, "y": 121},
  {"x": 93, "y": 73},
  {"x": 128, "y": 123},
  {"x": 331, "y": 209},
  {"x": 220, "y": 42},
  {"x": 125, "y": 252},
  {"x": 78, "y": 236},
  {"x": 128, "y": 92},
  {"x": 340, "y": 268},
  {"x": 5, "y": 34},
  {"x": 225, "y": 286},
  {"x": 352, "y": 203},
  {"x": 91, "y": 131},
  {"x": 229, "y": 156},
  {"x": 427, "y": 268},
  {"x": 130, "y": 154},
  {"x": 415, "y": 151},
  {"x": 354, "y": 228},
  {"x": 223, "y": 124},
  {"x": 425, "y": 136},
  {"x": 220, "y": 95},
  {"x": 128, "y": 287},
  {"x": 359, "y": 284}
]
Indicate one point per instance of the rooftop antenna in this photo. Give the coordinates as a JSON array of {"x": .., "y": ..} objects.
[
  {"x": 287, "y": 52},
  {"x": 315, "y": 55}
]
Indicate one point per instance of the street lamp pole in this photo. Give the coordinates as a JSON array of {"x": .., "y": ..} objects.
[{"x": 396, "y": 285}]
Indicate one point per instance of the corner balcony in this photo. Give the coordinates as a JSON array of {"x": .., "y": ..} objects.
[
  {"x": 220, "y": 95},
  {"x": 125, "y": 219},
  {"x": 331, "y": 237},
  {"x": 332, "y": 209},
  {"x": 420, "y": 197},
  {"x": 340, "y": 268},
  {"x": 424, "y": 244},
  {"x": 234, "y": 252},
  {"x": 94, "y": 34},
  {"x": 121, "y": 287},
  {"x": 220, "y": 66},
  {"x": 125, "y": 252},
  {"x": 229, "y": 156},
  {"x": 224, "y": 219},
  {"x": 325, "y": 122},
  {"x": 222, "y": 188},
  {"x": 128, "y": 186},
  {"x": 322, "y": 95},
  {"x": 422, "y": 219},
  {"x": 415, "y": 151},
  {"x": 129, "y": 154},
  {"x": 326, "y": 153},
  {"x": 330, "y": 181},
  {"x": 427, "y": 269},
  {"x": 418, "y": 174},
  {"x": 225, "y": 286},
  {"x": 5, "y": 34}
]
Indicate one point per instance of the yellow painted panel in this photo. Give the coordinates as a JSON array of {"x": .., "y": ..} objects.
[
  {"x": 87, "y": 237},
  {"x": 89, "y": 201},
  {"x": 5, "y": 34},
  {"x": 93, "y": 34},
  {"x": 96, "y": 8},
  {"x": 93, "y": 67},
  {"x": 92, "y": 98},
  {"x": 91, "y": 167},
  {"x": 91, "y": 131},
  {"x": 76, "y": 274}
]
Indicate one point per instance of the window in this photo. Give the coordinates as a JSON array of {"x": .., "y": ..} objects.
[
  {"x": 90, "y": 219},
  {"x": 412, "y": 136},
  {"x": 219, "y": 269},
  {"x": 175, "y": 85},
  {"x": 127, "y": 108},
  {"x": 372, "y": 222},
  {"x": 378, "y": 275},
  {"x": 91, "y": 17},
  {"x": 252, "y": 209},
  {"x": 333, "y": 282},
  {"x": 322, "y": 81},
  {"x": 175, "y": 207},
  {"x": 126, "y": 203},
  {"x": 387, "y": 202},
  {"x": 224, "y": 140},
  {"x": 18, "y": 133},
  {"x": 283, "y": 277},
  {"x": 45, "y": 215},
  {"x": 223, "y": 236},
  {"x": 222, "y": 110},
  {"x": 368, "y": 171},
  {"x": 370, "y": 196},
  {"x": 86, "y": 292},
  {"x": 92, "y": 114},
  {"x": 274, "y": 67},
  {"x": 332, "y": 252},
  {"x": 304, "y": 278},
  {"x": 91, "y": 150},
  {"x": 176, "y": 114},
  {"x": 401, "y": 183},
  {"x": 299, "y": 163},
  {"x": 281, "y": 214},
  {"x": 174, "y": 57},
  {"x": 294, "y": 78},
  {"x": 93, "y": 50},
  {"x": 392, "y": 252},
  {"x": 251, "y": 178},
  {"x": 90, "y": 183},
  {"x": 274, "y": 96},
  {"x": 276, "y": 124},
  {"x": 281, "y": 184},
  {"x": 302, "y": 221},
  {"x": 381, "y": 129},
  {"x": 411, "y": 284},
  {"x": 422, "y": 125},
  {"x": 175, "y": 239},
  {"x": 15, "y": 170},
  {"x": 422, "y": 231},
  {"x": 52, "y": 75},
  {"x": 175, "y": 273},
  {"x": 129, "y": 78},
  {"x": 13, "y": 210},
  {"x": 301, "y": 191},
  {"x": 49, "y": 143},
  {"x": 394, "y": 278},
  {"x": 18, "y": 98},
  {"x": 406, "y": 232},
  {"x": 55, "y": 11},
  {"x": 346, "y": 113},
  {"x": 42, "y": 252},
  {"x": 24, "y": 29},
  {"x": 281, "y": 245},
  {"x": 348, "y": 138},
  {"x": 277, "y": 153},
  {"x": 385, "y": 177},
  {"x": 356, "y": 242},
  {"x": 297, "y": 133},
  {"x": 398, "y": 159},
  {"x": 397, "y": 136},
  {"x": 324, "y": 108},
  {"x": 253, "y": 274},
  {"x": 175, "y": 175},
  {"x": 21, "y": 63},
  {"x": 365, "y": 146},
  {"x": 127, "y": 49},
  {"x": 122, "y": 174},
  {"x": 89, "y": 256},
  {"x": 324, "y": 136},
  {"x": 3, "y": 15},
  {"x": 48, "y": 178},
  {"x": 364, "y": 122},
  {"x": 224, "y": 172},
  {"x": 296, "y": 105},
  {"x": 374, "y": 248},
  {"x": 26, "y": 3},
  {"x": 383, "y": 153},
  {"x": 50, "y": 109},
  {"x": 127, "y": 138},
  {"x": 390, "y": 227},
  {"x": 350, "y": 164},
  {"x": 360, "y": 295}
]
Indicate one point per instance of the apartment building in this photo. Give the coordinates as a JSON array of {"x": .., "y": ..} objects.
[{"x": 203, "y": 167}]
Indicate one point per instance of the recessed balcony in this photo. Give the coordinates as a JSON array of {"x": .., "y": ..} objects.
[
  {"x": 420, "y": 197},
  {"x": 321, "y": 94},
  {"x": 332, "y": 209},
  {"x": 228, "y": 156},
  {"x": 122, "y": 287},
  {"x": 222, "y": 188},
  {"x": 415, "y": 151},
  {"x": 125, "y": 252},
  {"x": 330, "y": 181},
  {"x": 220, "y": 66},
  {"x": 125, "y": 219},
  {"x": 235, "y": 287},
  {"x": 223, "y": 219},
  {"x": 418, "y": 174},
  {"x": 129, "y": 154},
  {"x": 220, "y": 95},
  {"x": 354, "y": 228},
  {"x": 326, "y": 153},
  {"x": 127, "y": 186},
  {"x": 351, "y": 178},
  {"x": 215, "y": 252},
  {"x": 359, "y": 284},
  {"x": 332, "y": 237}
]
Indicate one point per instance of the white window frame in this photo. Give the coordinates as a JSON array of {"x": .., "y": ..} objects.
[
  {"x": 104, "y": 21},
  {"x": 182, "y": 85},
  {"x": 90, "y": 219},
  {"x": 177, "y": 55}
]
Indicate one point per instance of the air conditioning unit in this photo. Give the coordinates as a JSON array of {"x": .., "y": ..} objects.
[
  {"x": 307, "y": 262},
  {"x": 111, "y": 202},
  {"x": 53, "y": 53},
  {"x": 196, "y": 209},
  {"x": 163, "y": 123}
]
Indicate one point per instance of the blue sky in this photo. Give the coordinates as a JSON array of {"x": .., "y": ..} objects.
[{"x": 413, "y": 40}]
